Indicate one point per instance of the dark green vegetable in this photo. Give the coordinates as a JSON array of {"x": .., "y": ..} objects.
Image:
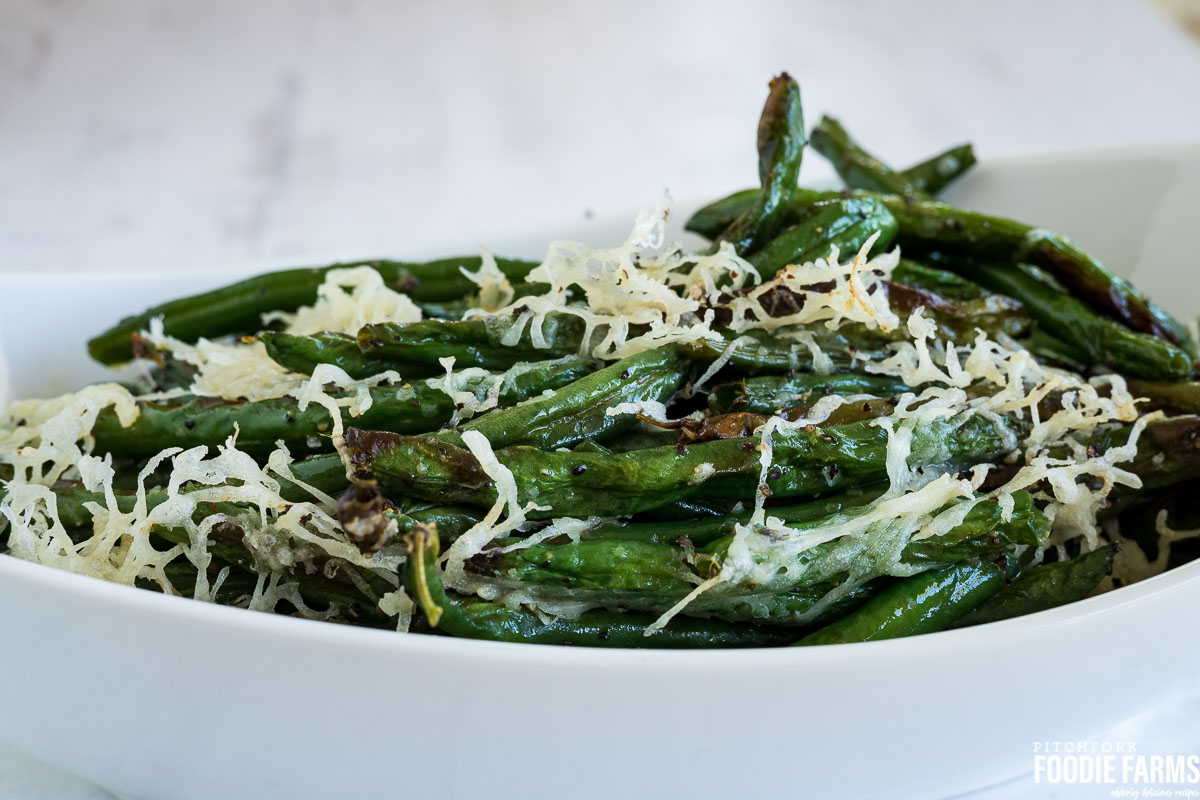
[
  {"x": 861, "y": 170},
  {"x": 944, "y": 283},
  {"x": 932, "y": 225},
  {"x": 72, "y": 502},
  {"x": 413, "y": 408},
  {"x": 238, "y": 307},
  {"x": 759, "y": 351},
  {"x": 925, "y": 603},
  {"x": 578, "y": 411},
  {"x": 781, "y": 143},
  {"x": 183, "y": 578},
  {"x": 640, "y": 437},
  {"x": 766, "y": 394},
  {"x": 958, "y": 320},
  {"x": 477, "y": 619},
  {"x": 1168, "y": 453},
  {"x": 324, "y": 472},
  {"x": 936, "y": 173},
  {"x": 927, "y": 225},
  {"x": 806, "y": 462},
  {"x": 1047, "y": 586},
  {"x": 845, "y": 223},
  {"x": 304, "y": 354},
  {"x": 471, "y": 342},
  {"x": 703, "y": 531},
  {"x": 1173, "y": 397},
  {"x": 857, "y": 167},
  {"x": 649, "y": 575},
  {"x": 1102, "y": 340},
  {"x": 1056, "y": 352}
]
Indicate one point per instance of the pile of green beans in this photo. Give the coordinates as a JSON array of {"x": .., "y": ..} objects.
[{"x": 658, "y": 509}]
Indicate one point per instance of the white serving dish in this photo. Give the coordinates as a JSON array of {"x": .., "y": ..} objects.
[{"x": 159, "y": 697}]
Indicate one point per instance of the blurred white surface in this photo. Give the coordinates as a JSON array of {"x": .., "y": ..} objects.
[
  {"x": 173, "y": 135},
  {"x": 168, "y": 135}
]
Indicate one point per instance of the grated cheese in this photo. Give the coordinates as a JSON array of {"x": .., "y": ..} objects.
[
  {"x": 347, "y": 300},
  {"x": 855, "y": 293},
  {"x": 473, "y": 541},
  {"x": 642, "y": 282},
  {"x": 495, "y": 290}
]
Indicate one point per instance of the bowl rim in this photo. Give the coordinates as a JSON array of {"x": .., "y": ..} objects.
[
  {"x": 97, "y": 593},
  {"x": 120, "y": 598}
]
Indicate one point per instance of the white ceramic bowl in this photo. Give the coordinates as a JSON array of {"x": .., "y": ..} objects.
[{"x": 161, "y": 697}]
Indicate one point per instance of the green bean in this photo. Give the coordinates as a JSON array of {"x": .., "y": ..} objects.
[
  {"x": 414, "y": 408},
  {"x": 238, "y": 307},
  {"x": 806, "y": 462},
  {"x": 842, "y": 223},
  {"x": 958, "y": 320},
  {"x": 471, "y": 342},
  {"x": 1174, "y": 397},
  {"x": 454, "y": 310},
  {"x": 1102, "y": 340},
  {"x": 641, "y": 437},
  {"x": 690, "y": 510},
  {"x": 781, "y": 144},
  {"x": 703, "y": 531},
  {"x": 182, "y": 576},
  {"x": 475, "y": 619},
  {"x": 858, "y": 168},
  {"x": 1044, "y": 587},
  {"x": 648, "y": 575},
  {"x": 936, "y": 173},
  {"x": 1055, "y": 351},
  {"x": 1168, "y": 453},
  {"x": 925, "y": 603},
  {"x": 758, "y": 351},
  {"x": 944, "y": 283},
  {"x": 767, "y": 394},
  {"x": 305, "y": 353},
  {"x": 932, "y": 226},
  {"x": 578, "y": 411},
  {"x": 739, "y": 424},
  {"x": 861, "y": 170},
  {"x": 477, "y": 343}
]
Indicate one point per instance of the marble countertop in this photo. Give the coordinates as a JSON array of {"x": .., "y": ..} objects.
[{"x": 146, "y": 136}]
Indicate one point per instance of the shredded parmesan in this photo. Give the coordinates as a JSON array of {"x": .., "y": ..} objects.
[
  {"x": 283, "y": 536},
  {"x": 476, "y": 538},
  {"x": 849, "y": 292},
  {"x": 495, "y": 290},
  {"x": 347, "y": 300},
  {"x": 643, "y": 282}
]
